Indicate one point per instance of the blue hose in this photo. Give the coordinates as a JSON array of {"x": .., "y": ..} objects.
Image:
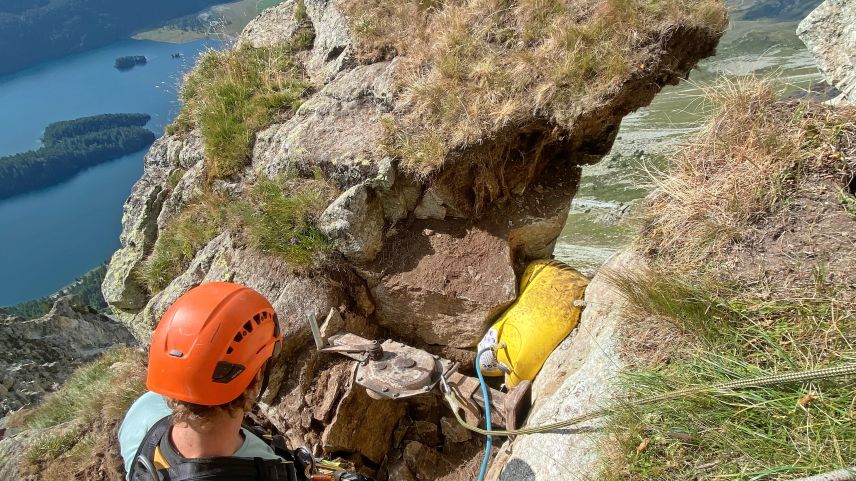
[{"x": 487, "y": 446}]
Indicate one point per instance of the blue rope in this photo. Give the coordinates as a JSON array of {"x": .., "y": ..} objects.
[{"x": 487, "y": 446}]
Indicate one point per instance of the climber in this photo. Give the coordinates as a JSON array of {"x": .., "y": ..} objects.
[{"x": 208, "y": 364}]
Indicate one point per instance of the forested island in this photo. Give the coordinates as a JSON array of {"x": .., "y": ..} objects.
[
  {"x": 32, "y": 31},
  {"x": 71, "y": 146},
  {"x": 129, "y": 62}
]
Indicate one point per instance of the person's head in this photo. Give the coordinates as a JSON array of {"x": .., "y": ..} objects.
[{"x": 209, "y": 353}]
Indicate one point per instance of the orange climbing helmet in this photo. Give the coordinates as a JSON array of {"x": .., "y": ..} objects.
[{"x": 211, "y": 343}]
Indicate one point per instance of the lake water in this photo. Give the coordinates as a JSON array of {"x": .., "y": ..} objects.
[{"x": 50, "y": 237}]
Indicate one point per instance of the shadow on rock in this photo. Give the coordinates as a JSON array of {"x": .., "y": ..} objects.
[{"x": 517, "y": 470}]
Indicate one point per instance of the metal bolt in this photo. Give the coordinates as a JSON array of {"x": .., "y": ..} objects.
[
  {"x": 385, "y": 389},
  {"x": 396, "y": 395},
  {"x": 360, "y": 379}
]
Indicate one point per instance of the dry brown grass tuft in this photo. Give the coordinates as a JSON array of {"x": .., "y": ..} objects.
[
  {"x": 471, "y": 68},
  {"x": 752, "y": 154},
  {"x": 748, "y": 240},
  {"x": 83, "y": 417}
]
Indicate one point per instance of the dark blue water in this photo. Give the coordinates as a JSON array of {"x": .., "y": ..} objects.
[{"x": 50, "y": 237}]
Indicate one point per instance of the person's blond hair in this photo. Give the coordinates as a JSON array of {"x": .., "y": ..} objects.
[{"x": 198, "y": 416}]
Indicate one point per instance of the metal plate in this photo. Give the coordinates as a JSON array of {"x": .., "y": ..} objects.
[{"x": 401, "y": 372}]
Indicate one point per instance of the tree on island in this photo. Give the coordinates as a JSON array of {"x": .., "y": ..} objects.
[{"x": 71, "y": 146}]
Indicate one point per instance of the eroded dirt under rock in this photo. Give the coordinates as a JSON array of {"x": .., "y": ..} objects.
[{"x": 808, "y": 246}]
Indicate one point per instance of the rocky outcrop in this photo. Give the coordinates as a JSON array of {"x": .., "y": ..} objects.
[
  {"x": 274, "y": 26},
  {"x": 829, "y": 32},
  {"x": 122, "y": 288},
  {"x": 36, "y": 356},
  {"x": 354, "y": 222},
  {"x": 578, "y": 377},
  {"x": 430, "y": 258}
]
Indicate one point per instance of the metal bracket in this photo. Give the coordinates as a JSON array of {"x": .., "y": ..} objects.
[{"x": 394, "y": 370}]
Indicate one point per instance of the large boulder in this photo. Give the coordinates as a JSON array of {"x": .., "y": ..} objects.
[
  {"x": 272, "y": 27},
  {"x": 37, "y": 355},
  {"x": 335, "y": 131},
  {"x": 354, "y": 222},
  {"x": 829, "y": 32},
  {"x": 442, "y": 281}
]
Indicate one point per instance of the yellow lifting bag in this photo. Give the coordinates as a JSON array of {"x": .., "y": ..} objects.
[{"x": 541, "y": 317}]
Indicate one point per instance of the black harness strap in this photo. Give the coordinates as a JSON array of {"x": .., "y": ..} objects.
[
  {"x": 216, "y": 468},
  {"x": 231, "y": 468},
  {"x": 149, "y": 443}
]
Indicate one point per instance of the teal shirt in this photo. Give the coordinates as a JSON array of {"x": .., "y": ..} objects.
[{"x": 151, "y": 408}]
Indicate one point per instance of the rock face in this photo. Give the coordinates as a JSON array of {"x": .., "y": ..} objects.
[
  {"x": 577, "y": 378},
  {"x": 430, "y": 259},
  {"x": 829, "y": 32},
  {"x": 38, "y": 355},
  {"x": 274, "y": 26},
  {"x": 121, "y": 288}
]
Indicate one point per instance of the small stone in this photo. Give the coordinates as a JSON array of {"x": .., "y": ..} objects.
[
  {"x": 425, "y": 462},
  {"x": 431, "y": 207},
  {"x": 398, "y": 471},
  {"x": 334, "y": 324},
  {"x": 425, "y": 432},
  {"x": 453, "y": 431},
  {"x": 354, "y": 222}
]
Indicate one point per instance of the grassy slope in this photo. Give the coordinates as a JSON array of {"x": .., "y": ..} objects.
[
  {"x": 735, "y": 291},
  {"x": 81, "y": 420}
]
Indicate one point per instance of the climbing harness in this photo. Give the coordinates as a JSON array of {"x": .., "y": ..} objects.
[{"x": 760, "y": 381}]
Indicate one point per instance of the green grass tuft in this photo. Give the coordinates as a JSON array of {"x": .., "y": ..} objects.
[
  {"x": 794, "y": 430},
  {"x": 52, "y": 446},
  {"x": 178, "y": 243},
  {"x": 233, "y": 94},
  {"x": 276, "y": 217},
  {"x": 279, "y": 218},
  {"x": 82, "y": 415},
  {"x": 82, "y": 397}
]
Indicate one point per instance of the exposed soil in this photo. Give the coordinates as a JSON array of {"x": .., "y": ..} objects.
[{"x": 808, "y": 247}]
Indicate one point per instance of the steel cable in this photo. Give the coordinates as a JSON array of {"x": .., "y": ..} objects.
[{"x": 760, "y": 381}]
